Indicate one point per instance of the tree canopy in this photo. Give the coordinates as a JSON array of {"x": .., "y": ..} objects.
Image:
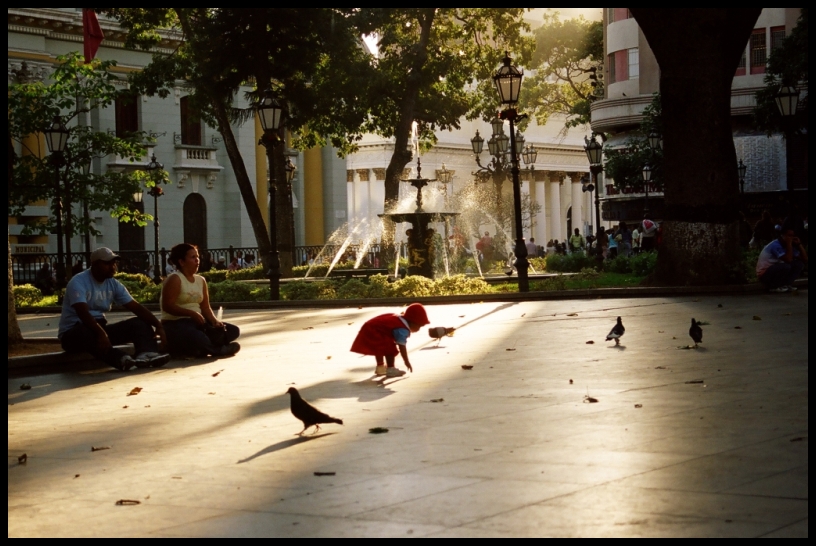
[{"x": 567, "y": 69}]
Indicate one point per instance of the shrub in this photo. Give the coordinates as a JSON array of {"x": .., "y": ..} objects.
[
  {"x": 215, "y": 276},
  {"x": 461, "y": 285},
  {"x": 620, "y": 264},
  {"x": 252, "y": 274},
  {"x": 229, "y": 292},
  {"x": 589, "y": 274},
  {"x": 303, "y": 290},
  {"x": 645, "y": 264},
  {"x": 137, "y": 280},
  {"x": 379, "y": 287},
  {"x": 550, "y": 285},
  {"x": 148, "y": 294},
  {"x": 318, "y": 271},
  {"x": 413, "y": 287},
  {"x": 539, "y": 264},
  {"x": 749, "y": 264},
  {"x": 27, "y": 295},
  {"x": 570, "y": 263},
  {"x": 354, "y": 289}
]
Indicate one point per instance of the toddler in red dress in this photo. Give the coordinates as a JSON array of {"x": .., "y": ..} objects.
[{"x": 386, "y": 336}]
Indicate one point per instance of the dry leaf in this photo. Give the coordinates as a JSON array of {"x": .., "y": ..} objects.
[
  {"x": 309, "y": 328},
  {"x": 571, "y": 382},
  {"x": 350, "y": 323},
  {"x": 638, "y": 406},
  {"x": 660, "y": 368},
  {"x": 216, "y": 374},
  {"x": 510, "y": 350},
  {"x": 437, "y": 401},
  {"x": 590, "y": 343},
  {"x": 524, "y": 315},
  {"x": 77, "y": 476},
  {"x": 720, "y": 306},
  {"x": 22, "y": 459},
  {"x": 328, "y": 358},
  {"x": 737, "y": 327},
  {"x": 211, "y": 394},
  {"x": 25, "y": 387},
  {"x": 573, "y": 315},
  {"x": 125, "y": 407},
  {"x": 797, "y": 440},
  {"x": 378, "y": 430},
  {"x": 135, "y": 391},
  {"x": 128, "y": 503},
  {"x": 757, "y": 318},
  {"x": 103, "y": 448},
  {"x": 590, "y": 400},
  {"x": 698, "y": 382},
  {"x": 467, "y": 368},
  {"x": 325, "y": 474}
]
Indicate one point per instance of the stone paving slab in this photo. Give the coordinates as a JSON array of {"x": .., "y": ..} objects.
[{"x": 512, "y": 450}]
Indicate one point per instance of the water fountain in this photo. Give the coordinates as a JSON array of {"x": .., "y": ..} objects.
[{"x": 421, "y": 253}]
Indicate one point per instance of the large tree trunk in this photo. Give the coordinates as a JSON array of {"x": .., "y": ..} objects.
[
  {"x": 402, "y": 134},
  {"x": 14, "y": 334},
  {"x": 284, "y": 213},
  {"x": 698, "y": 50},
  {"x": 244, "y": 183}
]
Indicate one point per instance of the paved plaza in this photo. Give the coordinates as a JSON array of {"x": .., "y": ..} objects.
[{"x": 693, "y": 443}]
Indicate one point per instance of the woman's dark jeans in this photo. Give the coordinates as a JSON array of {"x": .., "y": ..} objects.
[{"x": 186, "y": 338}]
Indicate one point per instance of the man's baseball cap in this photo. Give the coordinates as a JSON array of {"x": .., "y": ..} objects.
[{"x": 103, "y": 255}]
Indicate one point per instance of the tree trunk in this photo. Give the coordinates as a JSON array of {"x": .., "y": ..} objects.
[
  {"x": 698, "y": 50},
  {"x": 402, "y": 134},
  {"x": 244, "y": 183},
  {"x": 285, "y": 213},
  {"x": 14, "y": 334}
]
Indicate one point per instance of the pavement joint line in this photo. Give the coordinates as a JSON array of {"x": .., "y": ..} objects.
[{"x": 783, "y": 527}]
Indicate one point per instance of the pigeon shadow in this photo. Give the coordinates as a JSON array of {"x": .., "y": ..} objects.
[
  {"x": 618, "y": 347},
  {"x": 434, "y": 348},
  {"x": 280, "y": 446}
]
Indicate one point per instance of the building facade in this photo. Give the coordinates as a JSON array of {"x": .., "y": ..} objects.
[{"x": 632, "y": 77}]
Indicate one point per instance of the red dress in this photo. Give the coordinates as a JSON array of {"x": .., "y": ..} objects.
[{"x": 376, "y": 337}]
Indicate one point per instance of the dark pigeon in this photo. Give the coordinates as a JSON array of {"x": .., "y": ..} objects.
[
  {"x": 311, "y": 416},
  {"x": 696, "y": 333},
  {"x": 617, "y": 332}
]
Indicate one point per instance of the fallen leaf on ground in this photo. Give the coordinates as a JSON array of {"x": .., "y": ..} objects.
[
  {"x": 25, "y": 387},
  {"x": 467, "y": 368},
  {"x": 571, "y": 382},
  {"x": 698, "y": 382},
  {"x": 328, "y": 358},
  {"x": 350, "y": 323},
  {"x": 437, "y": 401},
  {"x": 686, "y": 348},
  {"x": 378, "y": 430},
  {"x": 590, "y": 400},
  {"x": 720, "y": 306},
  {"x": 360, "y": 307},
  {"x": 638, "y": 406},
  {"x": 216, "y": 374},
  {"x": 659, "y": 332},
  {"x": 524, "y": 315},
  {"x": 309, "y": 328},
  {"x": 103, "y": 448},
  {"x": 590, "y": 343},
  {"x": 128, "y": 503},
  {"x": 325, "y": 474},
  {"x": 757, "y": 318},
  {"x": 660, "y": 368},
  {"x": 461, "y": 316},
  {"x": 510, "y": 350},
  {"x": 787, "y": 315},
  {"x": 797, "y": 440},
  {"x": 211, "y": 394},
  {"x": 573, "y": 315},
  {"x": 135, "y": 391},
  {"x": 737, "y": 327},
  {"x": 77, "y": 476},
  {"x": 125, "y": 407},
  {"x": 175, "y": 478},
  {"x": 22, "y": 459}
]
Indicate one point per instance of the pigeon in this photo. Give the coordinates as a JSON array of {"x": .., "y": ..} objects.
[
  {"x": 439, "y": 333},
  {"x": 696, "y": 333},
  {"x": 617, "y": 332},
  {"x": 310, "y": 416}
]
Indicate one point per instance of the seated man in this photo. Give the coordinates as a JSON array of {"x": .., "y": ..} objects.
[
  {"x": 83, "y": 327},
  {"x": 781, "y": 262}
]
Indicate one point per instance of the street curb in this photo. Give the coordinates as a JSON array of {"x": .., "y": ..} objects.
[{"x": 597, "y": 293}]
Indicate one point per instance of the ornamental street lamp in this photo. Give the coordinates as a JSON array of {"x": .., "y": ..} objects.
[
  {"x": 56, "y": 138},
  {"x": 656, "y": 145},
  {"x": 787, "y": 102},
  {"x": 587, "y": 186},
  {"x": 594, "y": 152},
  {"x": 156, "y": 191},
  {"x": 508, "y": 84},
  {"x": 500, "y": 166},
  {"x": 647, "y": 181},
  {"x": 270, "y": 114},
  {"x": 742, "y": 170}
]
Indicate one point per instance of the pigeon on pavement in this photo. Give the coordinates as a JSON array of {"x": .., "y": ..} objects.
[
  {"x": 617, "y": 332},
  {"x": 311, "y": 416},
  {"x": 696, "y": 333}
]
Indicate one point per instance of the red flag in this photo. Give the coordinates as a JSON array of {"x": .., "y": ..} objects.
[{"x": 92, "y": 34}]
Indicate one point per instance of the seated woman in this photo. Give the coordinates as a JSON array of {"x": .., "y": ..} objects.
[{"x": 191, "y": 327}]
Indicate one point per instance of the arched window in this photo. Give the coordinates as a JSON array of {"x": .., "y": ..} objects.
[{"x": 195, "y": 221}]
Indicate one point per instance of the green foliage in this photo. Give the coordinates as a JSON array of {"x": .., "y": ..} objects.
[
  {"x": 787, "y": 65},
  {"x": 27, "y": 295},
  {"x": 625, "y": 165},
  {"x": 461, "y": 285},
  {"x": 229, "y": 291},
  {"x": 249, "y": 274},
  {"x": 570, "y": 263},
  {"x": 214, "y": 276},
  {"x": 318, "y": 271},
  {"x": 552, "y": 284},
  {"x": 567, "y": 54},
  {"x": 138, "y": 279},
  {"x": 749, "y": 265},
  {"x": 379, "y": 287},
  {"x": 540, "y": 264},
  {"x": 352, "y": 290},
  {"x": 74, "y": 89},
  {"x": 644, "y": 264},
  {"x": 413, "y": 287},
  {"x": 148, "y": 294},
  {"x": 306, "y": 290}
]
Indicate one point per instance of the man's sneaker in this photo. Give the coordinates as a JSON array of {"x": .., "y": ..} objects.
[
  {"x": 151, "y": 360},
  {"x": 125, "y": 364},
  {"x": 394, "y": 372},
  {"x": 228, "y": 350},
  {"x": 780, "y": 290},
  {"x": 381, "y": 371}
]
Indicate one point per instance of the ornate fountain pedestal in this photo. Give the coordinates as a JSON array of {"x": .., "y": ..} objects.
[{"x": 421, "y": 253}]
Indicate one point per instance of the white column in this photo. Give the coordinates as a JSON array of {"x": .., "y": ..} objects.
[
  {"x": 555, "y": 208},
  {"x": 541, "y": 219},
  {"x": 352, "y": 213},
  {"x": 577, "y": 204},
  {"x": 361, "y": 196}
]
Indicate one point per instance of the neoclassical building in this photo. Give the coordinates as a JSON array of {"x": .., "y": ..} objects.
[
  {"x": 204, "y": 206},
  {"x": 632, "y": 76}
]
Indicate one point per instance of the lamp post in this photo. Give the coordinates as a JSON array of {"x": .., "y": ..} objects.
[
  {"x": 56, "y": 138},
  {"x": 647, "y": 181},
  {"x": 156, "y": 191},
  {"x": 594, "y": 152},
  {"x": 508, "y": 84},
  {"x": 270, "y": 114},
  {"x": 588, "y": 186},
  {"x": 656, "y": 145},
  {"x": 787, "y": 102},
  {"x": 742, "y": 170},
  {"x": 85, "y": 171}
]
